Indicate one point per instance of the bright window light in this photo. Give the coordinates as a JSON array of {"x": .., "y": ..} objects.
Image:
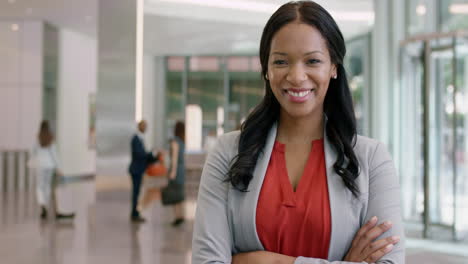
[
  {"x": 458, "y": 8},
  {"x": 219, "y": 121},
  {"x": 421, "y": 10},
  {"x": 193, "y": 127},
  {"x": 14, "y": 27}
]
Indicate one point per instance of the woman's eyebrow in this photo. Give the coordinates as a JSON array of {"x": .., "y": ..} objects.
[
  {"x": 305, "y": 54},
  {"x": 279, "y": 53},
  {"x": 311, "y": 52}
]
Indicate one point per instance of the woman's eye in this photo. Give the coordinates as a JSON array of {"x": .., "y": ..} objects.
[
  {"x": 279, "y": 62},
  {"x": 313, "y": 61}
]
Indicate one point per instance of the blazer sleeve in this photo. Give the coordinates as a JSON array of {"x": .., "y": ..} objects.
[
  {"x": 212, "y": 238},
  {"x": 139, "y": 151},
  {"x": 137, "y": 148},
  {"x": 150, "y": 158},
  {"x": 384, "y": 202}
]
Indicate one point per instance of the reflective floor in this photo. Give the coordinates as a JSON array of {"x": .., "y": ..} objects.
[{"x": 102, "y": 233}]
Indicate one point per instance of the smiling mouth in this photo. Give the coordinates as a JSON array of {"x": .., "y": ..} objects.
[{"x": 301, "y": 93}]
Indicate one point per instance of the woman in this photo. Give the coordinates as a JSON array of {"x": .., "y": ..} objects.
[
  {"x": 47, "y": 167},
  {"x": 296, "y": 184},
  {"x": 177, "y": 168}
]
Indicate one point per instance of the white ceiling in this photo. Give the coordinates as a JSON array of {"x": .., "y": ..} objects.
[
  {"x": 76, "y": 15},
  {"x": 230, "y": 26},
  {"x": 177, "y": 36},
  {"x": 186, "y": 26}
]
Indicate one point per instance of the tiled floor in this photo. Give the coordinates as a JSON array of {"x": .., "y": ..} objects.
[{"x": 101, "y": 232}]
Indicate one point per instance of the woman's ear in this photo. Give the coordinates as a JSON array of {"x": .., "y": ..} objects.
[{"x": 334, "y": 72}]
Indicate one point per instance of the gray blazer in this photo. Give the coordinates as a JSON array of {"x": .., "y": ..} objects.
[{"x": 225, "y": 217}]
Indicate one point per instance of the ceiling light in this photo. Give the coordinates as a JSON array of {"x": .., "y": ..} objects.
[
  {"x": 14, "y": 27},
  {"x": 421, "y": 10},
  {"x": 11, "y": 1},
  {"x": 458, "y": 8},
  {"x": 229, "y": 4}
]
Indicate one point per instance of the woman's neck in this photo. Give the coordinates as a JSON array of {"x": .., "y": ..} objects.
[{"x": 299, "y": 130}]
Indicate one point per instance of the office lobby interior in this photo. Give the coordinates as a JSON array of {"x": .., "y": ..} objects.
[{"x": 94, "y": 68}]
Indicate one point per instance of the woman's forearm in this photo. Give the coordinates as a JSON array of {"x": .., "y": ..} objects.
[
  {"x": 174, "y": 159},
  {"x": 261, "y": 257}
]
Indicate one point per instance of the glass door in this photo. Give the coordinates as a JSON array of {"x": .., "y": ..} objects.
[
  {"x": 433, "y": 134},
  {"x": 440, "y": 128},
  {"x": 461, "y": 135},
  {"x": 411, "y": 134}
]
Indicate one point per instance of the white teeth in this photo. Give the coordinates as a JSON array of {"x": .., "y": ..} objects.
[{"x": 301, "y": 94}]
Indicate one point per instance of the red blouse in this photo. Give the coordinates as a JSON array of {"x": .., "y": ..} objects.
[{"x": 295, "y": 223}]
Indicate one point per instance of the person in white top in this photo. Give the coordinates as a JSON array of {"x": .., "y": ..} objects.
[{"x": 45, "y": 162}]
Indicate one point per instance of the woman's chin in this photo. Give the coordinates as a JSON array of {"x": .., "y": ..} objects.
[{"x": 301, "y": 112}]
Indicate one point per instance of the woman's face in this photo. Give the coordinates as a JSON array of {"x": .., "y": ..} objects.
[{"x": 299, "y": 69}]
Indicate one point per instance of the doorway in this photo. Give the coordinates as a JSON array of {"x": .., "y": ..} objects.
[{"x": 434, "y": 133}]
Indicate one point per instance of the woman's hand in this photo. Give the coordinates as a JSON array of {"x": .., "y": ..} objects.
[
  {"x": 261, "y": 257},
  {"x": 364, "y": 248},
  {"x": 172, "y": 175},
  {"x": 241, "y": 258}
]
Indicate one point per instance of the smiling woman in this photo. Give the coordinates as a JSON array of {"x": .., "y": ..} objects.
[
  {"x": 299, "y": 69},
  {"x": 297, "y": 184}
]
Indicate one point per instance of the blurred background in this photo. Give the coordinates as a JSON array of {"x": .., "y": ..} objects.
[{"x": 93, "y": 68}]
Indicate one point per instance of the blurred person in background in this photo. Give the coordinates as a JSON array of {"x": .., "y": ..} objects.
[
  {"x": 45, "y": 161},
  {"x": 177, "y": 169},
  {"x": 297, "y": 184},
  {"x": 140, "y": 161}
]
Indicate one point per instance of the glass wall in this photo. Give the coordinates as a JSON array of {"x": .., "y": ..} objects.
[
  {"x": 245, "y": 89},
  {"x": 453, "y": 15},
  {"x": 206, "y": 93},
  {"x": 357, "y": 64},
  {"x": 215, "y": 92},
  {"x": 175, "y": 100},
  {"x": 429, "y": 16},
  {"x": 419, "y": 19}
]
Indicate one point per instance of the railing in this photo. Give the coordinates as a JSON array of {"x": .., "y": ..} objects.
[{"x": 14, "y": 172}]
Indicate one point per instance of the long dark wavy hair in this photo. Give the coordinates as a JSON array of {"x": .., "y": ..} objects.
[
  {"x": 179, "y": 130},
  {"x": 45, "y": 135},
  {"x": 338, "y": 106}
]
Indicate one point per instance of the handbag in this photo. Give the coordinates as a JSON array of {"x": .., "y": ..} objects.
[
  {"x": 157, "y": 169},
  {"x": 173, "y": 193}
]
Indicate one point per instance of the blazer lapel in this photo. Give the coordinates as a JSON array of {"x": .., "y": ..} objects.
[
  {"x": 249, "y": 207},
  {"x": 337, "y": 198}
]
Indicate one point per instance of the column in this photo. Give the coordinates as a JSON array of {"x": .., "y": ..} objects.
[{"x": 115, "y": 99}]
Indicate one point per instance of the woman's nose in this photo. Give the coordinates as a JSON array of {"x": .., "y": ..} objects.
[{"x": 296, "y": 75}]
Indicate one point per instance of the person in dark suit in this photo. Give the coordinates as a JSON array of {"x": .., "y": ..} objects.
[{"x": 140, "y": 160}]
